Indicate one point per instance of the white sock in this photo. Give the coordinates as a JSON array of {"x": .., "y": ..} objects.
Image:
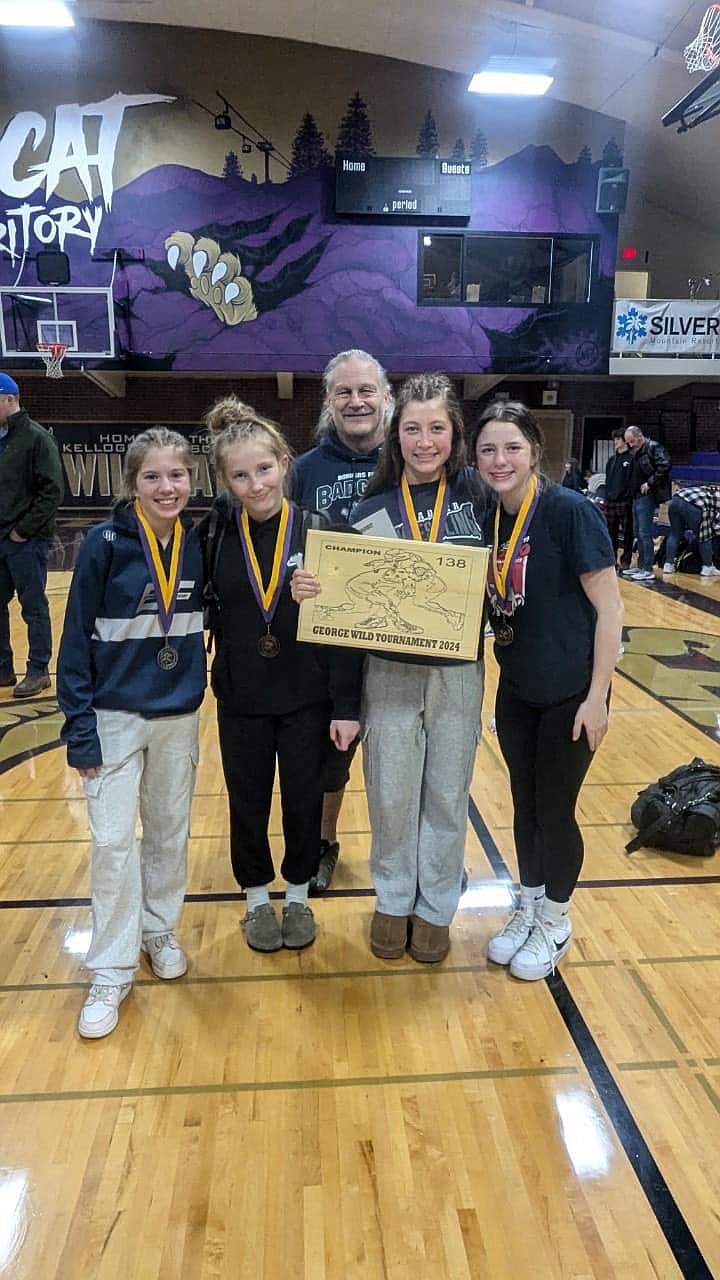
[
  {"x": 257, "y": 896},
  {"x": 532, "y": 899},
  {"x": 554, "y": 914},
  {"x": 296, "y": 893}
]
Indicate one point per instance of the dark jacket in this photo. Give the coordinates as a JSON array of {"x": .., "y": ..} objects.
[
  {"x": 618, "y": 474},
  {"x": 31, "y": 479},
  {"x": 332, "y": 478},
  {"x": 651, "y": 466},
  {"x": 302, "y": 675},
  {"x": 112, "y": 636}
]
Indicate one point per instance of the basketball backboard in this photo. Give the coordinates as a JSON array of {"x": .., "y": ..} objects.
[
  {"x": 701, "y": 103},
  {"x": 83, "y": 319}
]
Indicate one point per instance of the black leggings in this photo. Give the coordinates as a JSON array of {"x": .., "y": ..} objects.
[
  {"x": 249, "y": 746},
  {"x": 546, "y": 772}
]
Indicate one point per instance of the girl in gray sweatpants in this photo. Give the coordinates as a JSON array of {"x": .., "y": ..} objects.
[{"x": 421, "y": 720}]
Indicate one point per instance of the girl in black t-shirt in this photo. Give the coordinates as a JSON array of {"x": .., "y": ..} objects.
[{"x": 556, "y": 613}]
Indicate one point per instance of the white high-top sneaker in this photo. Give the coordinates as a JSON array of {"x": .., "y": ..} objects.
[{"x": 516, "y": 932}]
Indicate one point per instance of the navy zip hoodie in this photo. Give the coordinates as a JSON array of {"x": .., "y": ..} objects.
[
  {"x": 112, "y": 636},
  {"x": 331, "y": 479}
]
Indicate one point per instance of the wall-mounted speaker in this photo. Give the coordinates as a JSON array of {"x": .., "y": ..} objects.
[
  {"x": 53, "y": 267},
  {"x": 612, "y": 189}
]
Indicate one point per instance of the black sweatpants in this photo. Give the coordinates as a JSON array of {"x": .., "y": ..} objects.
[
  {"x": 249, "y": 746},
  {"x": 546, "y": 772}
]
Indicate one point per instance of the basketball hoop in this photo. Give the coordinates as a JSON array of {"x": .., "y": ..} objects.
[
  {"x": 704, "y": 52},
  {"x": 52, "y": 353}
]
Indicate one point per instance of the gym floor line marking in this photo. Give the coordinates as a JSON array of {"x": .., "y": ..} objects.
[
  {"x": 658, "y": 1010},
  {"x": 277, "y": 1086}
]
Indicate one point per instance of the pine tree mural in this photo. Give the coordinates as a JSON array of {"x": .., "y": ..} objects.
[
  {"x": 458, "y": 151},
  {"x": 309, "y": 151},
  {"x": 232, "y": 167},
  {"x": 427, "y": 143},
  {"x": 612, "y": 156},
  {"x": 355, "y": 130},
  {"x": 479, "y": 150}
]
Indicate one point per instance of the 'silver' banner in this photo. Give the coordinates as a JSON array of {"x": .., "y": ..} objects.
[{"x": 420, "y": 598}]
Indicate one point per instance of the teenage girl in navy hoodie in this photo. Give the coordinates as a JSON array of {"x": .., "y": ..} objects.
[{"x": 131, "y": 677}]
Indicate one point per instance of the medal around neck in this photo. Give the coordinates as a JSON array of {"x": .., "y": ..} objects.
[
  {"x": 502, "y": 577},
  {"x": 268, "y": 646},
  {"x": 411, "y": 528},
  {"x": 502, "y": 630},
  {"x": 268, "y": 597},
  {"x": 168, "y": 658},
  {"x": 166, "y": 584}
]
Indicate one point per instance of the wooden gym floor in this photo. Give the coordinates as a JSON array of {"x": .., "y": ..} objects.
[{"x": 329, "y": 1116}]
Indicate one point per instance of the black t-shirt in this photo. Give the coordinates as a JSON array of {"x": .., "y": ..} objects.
[{"x": 553, "y": 622}]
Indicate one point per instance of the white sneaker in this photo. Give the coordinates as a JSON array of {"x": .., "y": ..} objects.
[
  {"x": 540, "y": 954},
  {"x": 643, "y": 575},
  {"x": 167, "y": 958},
  {"x": 99, "y": 1014},
  {"x": 504, "y": 945},
  {"x": 709, "y": 571},
  {"x": 668, "y": 568}
]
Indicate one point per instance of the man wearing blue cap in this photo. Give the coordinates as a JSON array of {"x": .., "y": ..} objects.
[{"x": 31, "y": 488}]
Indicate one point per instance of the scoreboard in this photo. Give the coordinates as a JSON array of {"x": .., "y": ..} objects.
[{"x": 411, "y": 187}]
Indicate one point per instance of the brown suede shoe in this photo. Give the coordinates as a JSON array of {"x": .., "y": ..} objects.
[
  {"x": 30, "y": 686},
  {"x": 388, "y": 936},
  {"x": 429, "y": 943}
]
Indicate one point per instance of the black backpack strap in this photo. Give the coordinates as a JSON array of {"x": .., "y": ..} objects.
[{"x": 211, "y": 554}]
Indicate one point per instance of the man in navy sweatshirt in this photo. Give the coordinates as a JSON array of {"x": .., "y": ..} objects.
[{"x": 331, "y": 479}]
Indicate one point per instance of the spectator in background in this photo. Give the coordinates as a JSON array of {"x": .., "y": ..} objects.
[
  {"x": 573, "y": 477},
  {"x": 650, "y": 485},
  {"x": 31, "y": 489},
  {"x": 696, "y": 508},
  {"x": 618, "y": 499}
]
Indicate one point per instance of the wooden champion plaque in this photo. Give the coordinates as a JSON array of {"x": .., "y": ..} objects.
[{"x": 394, "y": 596}]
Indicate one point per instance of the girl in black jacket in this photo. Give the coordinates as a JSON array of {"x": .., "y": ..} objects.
[{"x": 278, "y": 699}]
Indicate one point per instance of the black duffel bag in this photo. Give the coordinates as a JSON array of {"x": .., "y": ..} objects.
[{"x": 680, "y": 812}]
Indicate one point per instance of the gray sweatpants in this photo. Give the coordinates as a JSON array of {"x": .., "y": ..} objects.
[
  {"x": 137, "y": 891},
  {"x": 421, "y": 727}
]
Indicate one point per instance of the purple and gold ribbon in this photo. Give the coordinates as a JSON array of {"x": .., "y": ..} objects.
[
  {"x": 166, "y": 584},
  {"x": 501, "y": 576},
  {"x": 267, "y": 597},
  {"x": 411, "y": 528}
]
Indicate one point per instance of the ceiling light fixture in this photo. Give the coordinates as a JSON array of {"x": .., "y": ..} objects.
[
  {"x": 519, "y": 83},
  {"x": 35, "y": 13}
]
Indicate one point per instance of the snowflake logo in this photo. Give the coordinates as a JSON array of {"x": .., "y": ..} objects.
[{"x": 632, "y": 325}]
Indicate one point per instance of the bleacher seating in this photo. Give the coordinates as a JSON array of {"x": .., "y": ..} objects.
[{"x": 703, "y": 468}]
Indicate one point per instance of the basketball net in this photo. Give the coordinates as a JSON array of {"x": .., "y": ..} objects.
[
  {"x": 52, "y": 353},
  {"x": 704, "y": 52}
]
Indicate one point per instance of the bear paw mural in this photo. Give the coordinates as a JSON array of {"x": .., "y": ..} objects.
[{"x": 215, "y": 277}]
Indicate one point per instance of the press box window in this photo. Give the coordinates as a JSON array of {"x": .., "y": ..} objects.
[
  {"x": 571, "y": 270},
  {"x": 441, "y": 268},
  {"x": 505, "y": 270}
]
